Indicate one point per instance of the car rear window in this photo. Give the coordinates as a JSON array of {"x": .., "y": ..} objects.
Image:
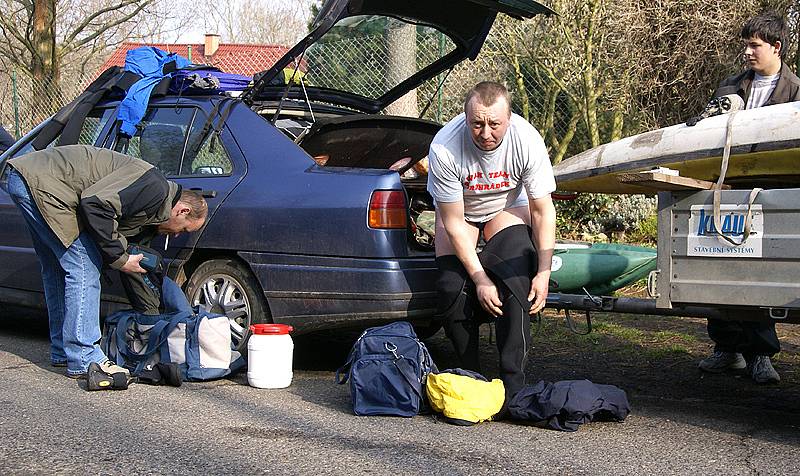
[{"x": 169, "y": 138}]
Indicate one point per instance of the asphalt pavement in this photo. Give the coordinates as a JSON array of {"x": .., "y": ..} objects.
[{"x": 52, "y": 425}]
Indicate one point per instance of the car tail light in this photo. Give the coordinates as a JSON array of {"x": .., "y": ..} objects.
[{"x": 387, "y": 209}]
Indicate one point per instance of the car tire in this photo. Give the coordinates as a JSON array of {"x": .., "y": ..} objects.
[{"x": 226, "y": 286}]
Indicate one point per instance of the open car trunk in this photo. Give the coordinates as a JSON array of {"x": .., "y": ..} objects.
[{"x": 379, "y": 142}]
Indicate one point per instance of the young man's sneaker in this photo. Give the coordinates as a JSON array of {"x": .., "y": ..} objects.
[
  {"x": 762, "y": 371},
  {"x": 110, "y": 368},
  {"x": 721, "y": 361}
]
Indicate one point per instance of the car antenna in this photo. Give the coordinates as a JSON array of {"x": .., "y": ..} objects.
[{"x": 288, "y": 86}]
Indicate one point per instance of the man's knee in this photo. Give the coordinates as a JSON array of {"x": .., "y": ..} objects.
[{"x": 450, "y": 285}]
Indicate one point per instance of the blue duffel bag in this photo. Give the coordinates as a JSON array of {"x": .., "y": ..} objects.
[
  {"x": 387, "y": 369},
  {"x": 197, "y": 341}
]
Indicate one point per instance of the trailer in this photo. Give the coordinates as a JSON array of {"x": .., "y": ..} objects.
[{"x": 700, "y": 273}]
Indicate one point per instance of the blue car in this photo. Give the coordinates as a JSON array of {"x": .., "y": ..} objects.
[{"x": 309, "y": 222}]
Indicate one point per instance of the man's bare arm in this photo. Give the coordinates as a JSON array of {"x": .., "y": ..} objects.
[{"x": 543, "y": 234}]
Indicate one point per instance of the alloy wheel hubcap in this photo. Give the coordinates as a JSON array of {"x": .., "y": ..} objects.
[{"x": 222, "y": 294}]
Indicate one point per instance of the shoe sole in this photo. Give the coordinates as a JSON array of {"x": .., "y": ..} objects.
[
  {"x": 768, "y": 381},
  {"x": 716, "y": 370},
  {"x": 77, "y": 376}
]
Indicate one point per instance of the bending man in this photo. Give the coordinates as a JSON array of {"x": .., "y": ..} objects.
[
  {"x": 490, "y": 173},
  {"x": 80, "y": 204}
]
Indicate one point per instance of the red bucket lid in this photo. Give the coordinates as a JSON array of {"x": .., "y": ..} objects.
[{"x": 271, "y": 329}]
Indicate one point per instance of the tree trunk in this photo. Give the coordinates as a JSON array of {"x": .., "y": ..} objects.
[
  {"x": 617, "y": 125},
  {"x": 561, "y": 151},
  {"x": 44, "y": 65},
  {"x": 522, "y": 91},
  {"x": 401, "y": 43},
  {"x": 589, "y": 84}
]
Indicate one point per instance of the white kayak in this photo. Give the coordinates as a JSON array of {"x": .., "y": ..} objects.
[{"x": 765, "y": 150}]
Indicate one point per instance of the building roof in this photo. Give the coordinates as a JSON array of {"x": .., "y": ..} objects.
[{"x": 238, "y": 58}]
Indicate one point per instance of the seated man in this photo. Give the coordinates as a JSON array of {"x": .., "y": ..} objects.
[{"x": 489, "y": 171}]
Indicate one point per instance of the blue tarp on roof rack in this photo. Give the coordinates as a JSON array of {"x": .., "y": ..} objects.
[{"x": 202, "y": 79}]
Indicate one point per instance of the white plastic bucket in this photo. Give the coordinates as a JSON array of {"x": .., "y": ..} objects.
[{"x": 269, "y": 356}]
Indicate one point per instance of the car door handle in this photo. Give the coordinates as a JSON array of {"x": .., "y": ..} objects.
[{"x": 205, "y": 193}]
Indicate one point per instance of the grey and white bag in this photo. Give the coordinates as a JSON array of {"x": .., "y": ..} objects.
[{"x": 198, "y": 341}]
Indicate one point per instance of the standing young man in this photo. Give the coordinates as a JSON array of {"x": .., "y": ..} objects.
[
  {"x": 749, "y": 344},
  {"x": 490, "y": 172},
  {"x": 80, "y": 204}
]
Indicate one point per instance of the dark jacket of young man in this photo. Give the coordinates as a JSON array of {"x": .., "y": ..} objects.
[{"x": 787, "y": 89}]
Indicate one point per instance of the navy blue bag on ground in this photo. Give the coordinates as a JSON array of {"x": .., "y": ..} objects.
[{"x": 387, "y": 368}]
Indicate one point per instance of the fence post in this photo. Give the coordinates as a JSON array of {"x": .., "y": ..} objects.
[{"x": 15, "y": 101}]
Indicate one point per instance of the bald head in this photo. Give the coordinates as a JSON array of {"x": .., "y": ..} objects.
[
  {"x": 488, "y": 114},
  {"x": 487, "y": 93}
]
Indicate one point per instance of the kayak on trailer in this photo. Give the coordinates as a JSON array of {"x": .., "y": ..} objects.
[
  {"x": 599, "y": 268},
  {"x": 765, "y": 149}
]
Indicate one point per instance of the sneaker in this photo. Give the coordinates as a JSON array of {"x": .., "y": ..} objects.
[
  {"x": 108, "y": 367},
  {"x": 111, "y": 368},
  {"x": 762, "y": 371},
  {"x": 721, "y": 361}
]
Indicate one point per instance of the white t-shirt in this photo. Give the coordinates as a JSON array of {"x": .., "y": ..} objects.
[
  {"x": 761, "y": 89},
  {"x": 488, "y": 182}
]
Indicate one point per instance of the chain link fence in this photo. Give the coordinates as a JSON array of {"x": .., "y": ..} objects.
[
  {"x": 26, "y": 102},
  {"x": 372, "y": 64},
  {"x": 362, "y": 64}
]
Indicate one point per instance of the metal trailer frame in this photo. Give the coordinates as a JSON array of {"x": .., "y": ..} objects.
[{"x": 699, "y": 276}]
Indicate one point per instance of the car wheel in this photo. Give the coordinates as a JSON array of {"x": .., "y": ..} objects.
[{"x": 225, "y": 286}]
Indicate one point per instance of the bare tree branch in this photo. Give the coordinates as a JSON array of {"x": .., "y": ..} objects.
[{"x": 68, "y": 45}]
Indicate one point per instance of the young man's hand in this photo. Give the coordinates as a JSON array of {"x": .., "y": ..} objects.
[{"x": 132, "y": 265}]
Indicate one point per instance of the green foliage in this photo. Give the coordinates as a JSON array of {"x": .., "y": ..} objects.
[
  {"x": 646, "y": 231},
  {"x": 599, "y": 213}
]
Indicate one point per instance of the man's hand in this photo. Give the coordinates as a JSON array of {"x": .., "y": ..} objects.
[
  {"x": 132, "y": 265},
  {"x": 489, "y": 297},
  {"x": 538, "y": 294}
]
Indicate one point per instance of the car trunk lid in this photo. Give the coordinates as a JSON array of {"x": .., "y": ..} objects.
[{"x": 459, "y": 26}]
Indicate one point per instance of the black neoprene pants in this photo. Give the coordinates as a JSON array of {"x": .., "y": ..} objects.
[{"x": 513, "y": 336}]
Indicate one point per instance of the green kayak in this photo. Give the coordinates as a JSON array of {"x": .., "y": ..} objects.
[{"x": 600, "y": 268}]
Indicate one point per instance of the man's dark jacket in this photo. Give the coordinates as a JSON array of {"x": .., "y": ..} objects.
[
  {"x": 787, "y": 89},
  {"x": 111, "y": 195}
]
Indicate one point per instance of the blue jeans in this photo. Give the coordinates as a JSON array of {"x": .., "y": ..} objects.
[{"x": 71, "y": 278}]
